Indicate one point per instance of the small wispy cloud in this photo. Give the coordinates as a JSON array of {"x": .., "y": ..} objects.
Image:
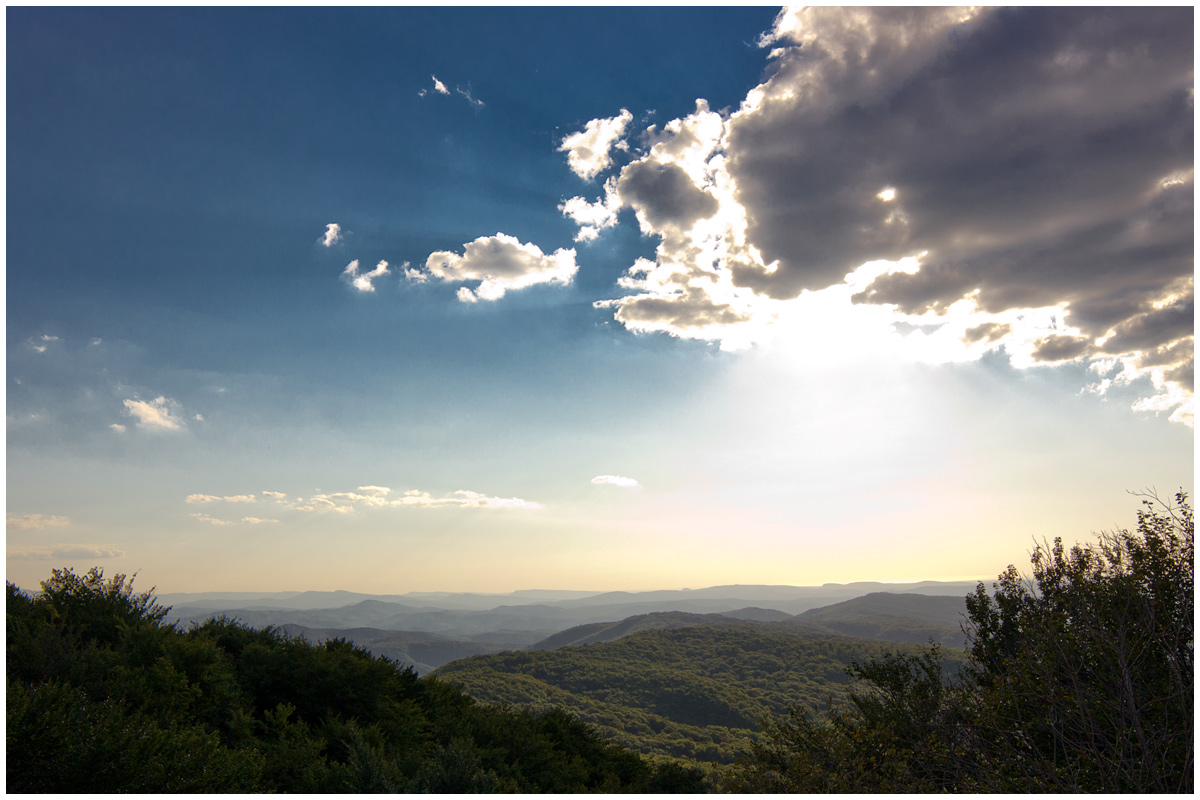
[
  {"x": 470, "y": 99},
  {"x": 222, "y": 523},
  {"x": 159, "y": 414},
  {"x": 209, "y": 519},
  {"x": 118, "y": 427},
  {"x": 34, "y": 522},
  {"x": 362, "y": 280},
  {"x": 438, "y": 87},
  {"x": 211, "y": 498},
  {"x": 441, "y": 88},
  {"x": 42, "y": 343},
  {"x": 364, "y": 497},
  {"x": 616, "y": 480},
  {"x": 333, "y": 234},
  {"x": 63, "y": 552}
]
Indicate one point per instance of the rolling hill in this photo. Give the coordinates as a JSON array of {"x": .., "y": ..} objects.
[
  {"x": 696, "y": 692},
  {"x": 895, "y": 617}
]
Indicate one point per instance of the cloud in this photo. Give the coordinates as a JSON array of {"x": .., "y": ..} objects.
[
  {"x": 414, "y": 275},
  {"x": 438, "y": 86},
  {"x": 367, "y": 497},
  {"x": 1030, "y": 192},
  {"x": 588, "y": 151},
  {"x": 664, "y": 196},
  {"x": 616, "y": 480},
  {"x": 462, "y": 499},
  {"x": 362, "y": 281},
  {"x": 1089, "y": 208},
  {"x": 209, "y": 519},
  {"x": 500, "y": 264},
  {"x": 118, "y": 427},
  {"x": 59, "y": 552},
  {"x": 441, "y": 88},
  {"x": 159, "y": 414},
  {"x": 596, "y": 216},
  {"x": 224, "y": 523},
  {"x": 333, "y": 234},
  {"x": 236, "y": 498},
  {"x": 42, "y": 343},
  {"x": 470, "y": 98},
  {"x": 34, "y": 522}
]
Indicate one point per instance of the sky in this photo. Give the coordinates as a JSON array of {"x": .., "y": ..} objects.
[{"x": 480, "y": 299}]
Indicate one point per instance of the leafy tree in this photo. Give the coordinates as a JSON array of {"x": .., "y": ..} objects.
[
  {"x": 1087, "y": 670},
  {"x": 1080, "y": 680},
  {"x": 102, "y": 697}
]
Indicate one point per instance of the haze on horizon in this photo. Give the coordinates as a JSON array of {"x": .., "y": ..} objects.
[{"x": 479, "y": 299}]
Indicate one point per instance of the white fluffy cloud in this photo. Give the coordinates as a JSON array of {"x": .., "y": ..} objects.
[
  {"x": 500, "y": 264},
  {"x": 363, "y": 280},
  {"x": 616, "y": 480},
  {"x": 588, "y": 151},
  {"x": 159, "y": 414},
  {"x": 595, "y": 216},
  {"x": 64, "y": 552},
  {"x": 34, "y": 522},
  {"x": 879, "y": 155},
  {"x": 333, "y": 234}
]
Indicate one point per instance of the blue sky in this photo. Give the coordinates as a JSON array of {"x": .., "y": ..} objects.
[{"x": 672, "y": 297}]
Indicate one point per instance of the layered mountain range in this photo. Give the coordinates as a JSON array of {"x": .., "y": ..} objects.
[{"x": 429, "y": 629}]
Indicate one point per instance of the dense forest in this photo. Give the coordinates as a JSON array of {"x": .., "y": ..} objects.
[
  {"x": 102, "y": 697},
  {"x": 696, "y": 693},
  {"x": 1077, "y": 679}
]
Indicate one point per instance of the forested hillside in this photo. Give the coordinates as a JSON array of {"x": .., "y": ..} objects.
[
  {"x": 896, "y": 617},
  {"x": 697, "y": 692},
  {"x": 102, "y": 697}
]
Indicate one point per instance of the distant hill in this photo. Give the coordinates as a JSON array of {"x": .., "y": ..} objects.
[
  {"x": 696, "y": 692},
  {"x": 895, "y": 617},
  {"x": 422, "y": 651},
  {"x": 671, "y": 620}
]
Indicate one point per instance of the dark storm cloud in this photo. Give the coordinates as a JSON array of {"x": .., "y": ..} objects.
[
  {"x": 1020, "y": 126},
  {"x": 1039, "y": 157},
  {"x": 1060, "y": 348},
  {"x": 665, "y": 194},
  {"x": 989, "y": 331}
]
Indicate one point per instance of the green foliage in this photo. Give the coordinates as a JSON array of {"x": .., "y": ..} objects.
[
  {"x": 696, "y": 694},
  {"x": 1080, "y": 680},
  {"x": 1089, "y": 670},
  {"x": 101, "y": 697}
]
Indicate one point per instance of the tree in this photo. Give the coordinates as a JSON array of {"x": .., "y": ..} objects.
[
  {"x": 1086, "y": 671},
  {"x": 1080, "y": 679}
]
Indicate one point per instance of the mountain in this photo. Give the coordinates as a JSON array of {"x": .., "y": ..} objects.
[
  {"x": 422, "y": 651},
  {"x": 695, "y": 692},
  {"x": 895, "y": 617}
]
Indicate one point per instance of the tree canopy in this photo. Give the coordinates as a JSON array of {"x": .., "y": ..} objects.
[
  {"x": 1080, "y": 680},
  {"x": 102, "y": 697}
]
